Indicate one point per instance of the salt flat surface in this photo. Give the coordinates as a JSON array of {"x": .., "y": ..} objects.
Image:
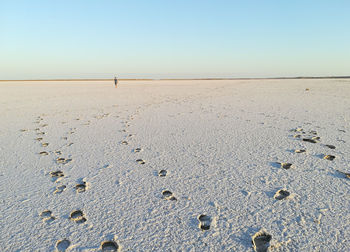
[{"x": 221, "y": 144}]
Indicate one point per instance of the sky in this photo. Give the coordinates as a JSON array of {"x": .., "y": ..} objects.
[{"x": 173, "y": 39}]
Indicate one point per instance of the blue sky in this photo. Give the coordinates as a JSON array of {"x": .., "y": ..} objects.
[{"x": 175, "y": 39}]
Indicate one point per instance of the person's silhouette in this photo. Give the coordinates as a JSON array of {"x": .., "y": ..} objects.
[{"x": 115, "y": 81}]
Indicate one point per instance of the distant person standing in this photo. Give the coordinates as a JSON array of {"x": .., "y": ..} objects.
[{"x": 115, "y": 81}]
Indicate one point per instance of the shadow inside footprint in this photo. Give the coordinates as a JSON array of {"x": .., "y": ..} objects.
[
  {"x": 81, "y": 187},
  {"x": 204, "y": 222},
  {"x": 62, "y": 245},
  {"x": 59, "y": 189},
  {"x": 63, "y": 160},
  {"x": 284, "y": 165},
  {"x": 43, "y": 153},
  {"x": 124, "y": 143},
  {"x": 329, "y": 157},
  {"x": 57, "y": 174},
  {"x": 168, "y": 195},
  {"x": 261, "y": 241},
  {"x": 47, "y": 216},
  {"x": 109, "y": 246},
  {"x": 140, "y": 161},
  {"x": 330, "y": 146},
  {"x": 77, "y": 216},
  {"x": 162, "y": 173},
  {"x": 309, "y": 140},
  {"x": 281, "y": 194},
  {"x": 137, "y": 150},
  {"x": 300, "y": 151}
]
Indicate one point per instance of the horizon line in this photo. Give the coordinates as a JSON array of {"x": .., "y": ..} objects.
[{"x": 150, "y": 79}]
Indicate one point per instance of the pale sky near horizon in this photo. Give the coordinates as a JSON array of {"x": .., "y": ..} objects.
[{"x": 173, "y": 39}]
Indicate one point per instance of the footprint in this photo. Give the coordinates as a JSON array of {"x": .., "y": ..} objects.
[
  {"x": 330, "y": 146},
  {"x": 162, "y": 173},
  {"x": 300, "y": 151},
  {"x": 329, "y": 157},
  {"x": 56, "y": 175},
  {"x": 281, "y": 194},
  {"x": 137, "y": 150},
  {"x": 60, "y": 189},
  {"x": 315, "y": 138},
  {"x": 41, "y": 133},
  {"x": 77, "y": 216},
  {"x": 168, "y": 195},
  {"x": 58, "y": 152},
  {"x": 204, "y": 222},
  {"x": 63, "y": 160},
  {"x": 297, "y": 130},
  {"x": 140, "y": 161},
  {"x": 44, "y": 144},
  {"x": 285, "y": 165},
  {"x": 43, "y": 125},
  {"x": 109, "y": 246},
  {"x": 62, "y": 245},
  {"x": 23, "y": 130},
  {"x": 261, "y": 241},
  {"x": 39, "y": 138},
  {"x": 124, "y": 143},
  {"x": 309, "y": 140},
  {"x": 43, "y": 153},
  {"x": 47, "y": 216},
  {"x": 81, "y": 187}
]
